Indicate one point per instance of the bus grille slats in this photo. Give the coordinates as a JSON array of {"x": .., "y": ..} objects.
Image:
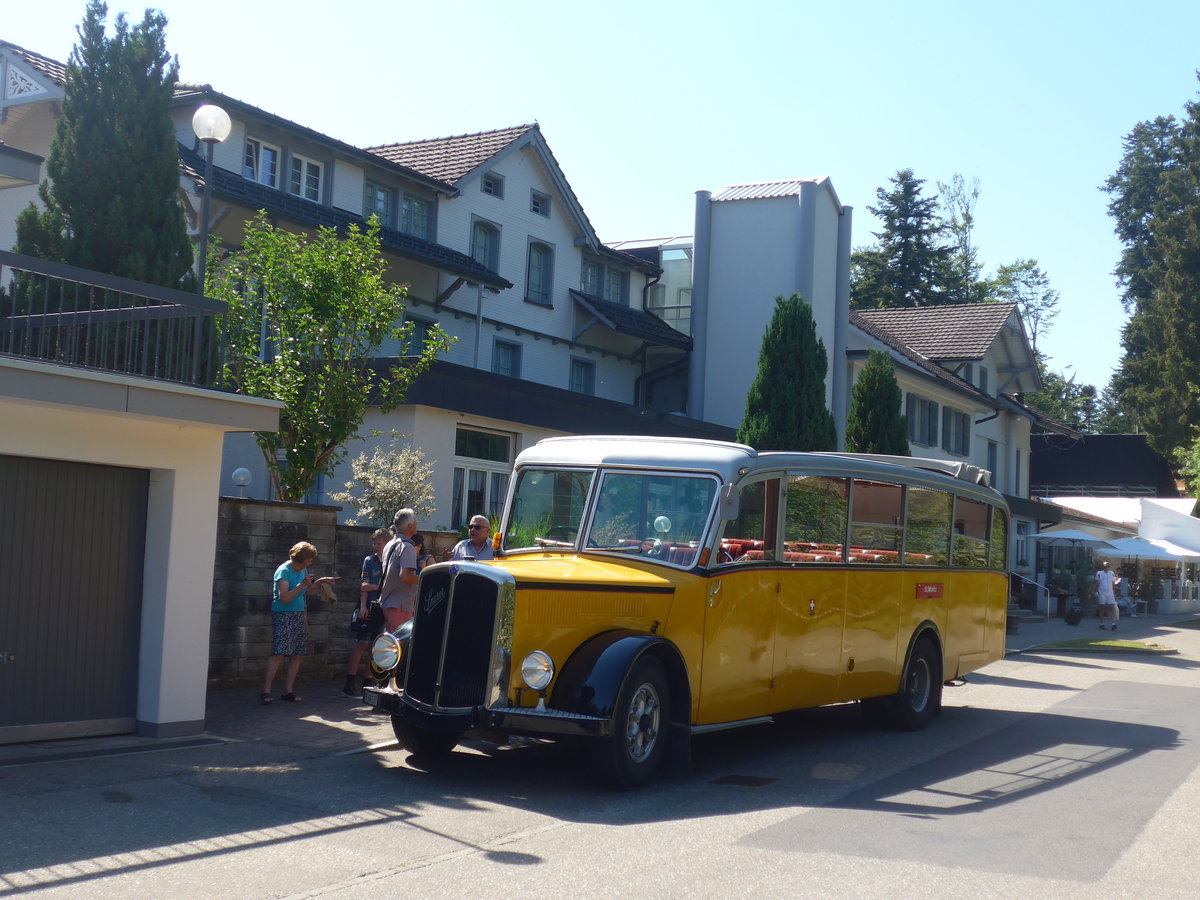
[{"x": 454, "y": 633}]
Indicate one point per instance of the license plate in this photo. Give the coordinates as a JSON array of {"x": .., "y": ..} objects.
[{"x": 371, "y": 699}]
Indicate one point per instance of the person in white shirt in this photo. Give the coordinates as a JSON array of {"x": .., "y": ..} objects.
[{"x": 1106, "y": 600}]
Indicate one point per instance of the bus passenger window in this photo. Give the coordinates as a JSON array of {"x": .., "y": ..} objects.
[
  {"x": 970, "y": 533},
  {"x": 815, "y": 523},
  {"x": 999, "y": 543},
  {"x": 875, "y": 522},
  {"x": 927, "y": 531},
  {"x": 751, "y": 536}
]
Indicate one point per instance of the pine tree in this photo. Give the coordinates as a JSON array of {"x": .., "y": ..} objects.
[
  {"x": 875, "y": 423},
  {"x": 111, "y": 203},
  {"x": 785, "y": 408},
  {"x": 912, "y": 265}
]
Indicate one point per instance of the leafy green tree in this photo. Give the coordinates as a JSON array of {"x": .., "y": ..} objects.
[
  {"x": 308, "y": 316},
  {"x": 1062, "y": 399},
  {"x": 1025, "y": 284},
  {"x": 111, "y": 201},
  {"x": 785, "y": 408},
  {"x": 912, "y": 265},
  {"x": 875, "y": 423},
  {"x": 391, "y": 478}
]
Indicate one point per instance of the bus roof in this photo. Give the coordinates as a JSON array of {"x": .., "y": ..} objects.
[{"x": 729, "y": 460}]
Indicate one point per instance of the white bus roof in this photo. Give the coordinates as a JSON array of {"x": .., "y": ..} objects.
[{"x": 731, "y": 461}]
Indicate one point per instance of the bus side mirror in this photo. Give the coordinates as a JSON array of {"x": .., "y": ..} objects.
[{"x": 729, "y": 502}]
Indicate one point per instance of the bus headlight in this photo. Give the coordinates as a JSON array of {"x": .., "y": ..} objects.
[
  {"x": 537, "y": 670},
  {"x": 385, "y": 653}
]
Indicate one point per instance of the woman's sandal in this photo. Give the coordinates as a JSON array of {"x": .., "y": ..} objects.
[
  {"x": 266, "y": 699},
  {"x": 289, "y": 697}
]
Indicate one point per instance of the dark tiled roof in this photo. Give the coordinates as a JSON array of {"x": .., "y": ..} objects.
[
  {"x": 635, "y": 322},
  {"x": 44, "y": 65},
  {"x": 257, "y": 196},
  {"x": 450, "y": 158},
  {"x": 960, "y": 331}
]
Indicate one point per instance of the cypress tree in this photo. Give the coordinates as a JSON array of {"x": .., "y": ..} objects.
[
  {"x": 875, "y": 423},
  {"x": 785, "y": 408},
  {"x": 111, "y": 201}
]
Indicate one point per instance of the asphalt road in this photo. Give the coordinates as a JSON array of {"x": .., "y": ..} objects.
[{"x": 1048, "y": 775}]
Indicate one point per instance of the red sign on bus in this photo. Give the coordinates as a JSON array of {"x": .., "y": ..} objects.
[{"x": 929, "y": 590}]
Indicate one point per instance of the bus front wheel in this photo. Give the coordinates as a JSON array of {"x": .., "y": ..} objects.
[{"x": 632, "y": 754}]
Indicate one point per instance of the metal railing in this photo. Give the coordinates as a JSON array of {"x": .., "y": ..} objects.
[
  {"x": 1045, "y": 593},
  {"x": 76, "y": 317}
]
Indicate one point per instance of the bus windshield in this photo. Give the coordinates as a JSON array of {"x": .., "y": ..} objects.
[
  {"x": 547, "y": 508},
  {"x": 652, "y": 514},
  {"x": 657, "y": 515}
]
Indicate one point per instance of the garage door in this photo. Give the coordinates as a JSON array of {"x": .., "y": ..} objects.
[{"x": 72, "y": 541}]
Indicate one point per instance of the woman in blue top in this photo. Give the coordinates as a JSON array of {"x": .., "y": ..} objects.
[{"x": 289, "y": 621}]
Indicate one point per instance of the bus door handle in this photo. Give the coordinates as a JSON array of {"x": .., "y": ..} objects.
[{"x": 714, "y": 588}]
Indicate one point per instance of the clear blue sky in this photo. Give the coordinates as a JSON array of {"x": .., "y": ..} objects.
[{"x": 646, "y": 102}]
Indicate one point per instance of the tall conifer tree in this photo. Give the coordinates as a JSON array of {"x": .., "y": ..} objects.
[
  {"x": 875, "y": 423},
  {"x": 111, "y": 201},
  {"x": 785, "y": 408}
]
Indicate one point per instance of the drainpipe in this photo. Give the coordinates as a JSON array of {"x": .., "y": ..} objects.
[
  {"x": 478, "y": 320},
  {"x": 700, "y": 259},
  {"x": 841, "y": 324}
]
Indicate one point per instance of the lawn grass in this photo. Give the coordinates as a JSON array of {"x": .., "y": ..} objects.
[
  {"x": 1186, "y": 623},
  {"x": 1107, "y": 645}
]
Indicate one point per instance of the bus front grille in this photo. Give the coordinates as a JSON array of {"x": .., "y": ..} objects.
[{"x": 453, "y": 638}]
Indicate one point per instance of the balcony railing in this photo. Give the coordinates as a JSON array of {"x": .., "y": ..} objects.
[{"x": 75, "y": 317}]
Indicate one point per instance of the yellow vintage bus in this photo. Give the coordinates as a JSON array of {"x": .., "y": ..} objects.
[{"x": 648, "y": 589}]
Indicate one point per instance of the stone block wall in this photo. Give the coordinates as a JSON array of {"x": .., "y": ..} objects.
[{"x": 253, "y": 538}]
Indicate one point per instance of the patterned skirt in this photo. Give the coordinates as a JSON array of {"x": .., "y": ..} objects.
[{"x": 289, "y": 634}]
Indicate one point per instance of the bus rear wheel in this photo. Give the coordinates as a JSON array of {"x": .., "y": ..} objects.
[{"x": 920, "y": 696}]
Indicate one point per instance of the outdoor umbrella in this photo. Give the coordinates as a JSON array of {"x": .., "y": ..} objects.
[{"x": 1071, "y": 537}]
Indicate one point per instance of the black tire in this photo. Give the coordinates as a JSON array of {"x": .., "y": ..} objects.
[
  {"x": 634, "y": 752},
  {"x": 423, "y": 742},
  {"x": 920, "y": 696}
]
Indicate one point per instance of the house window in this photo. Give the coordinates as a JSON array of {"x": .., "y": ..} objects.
[
  {"x": 539, "y": 203},
  {"x": 591, "y": 278},
  {"x": 506, "y": 359},
  {"x": 921, "y": 414},
  {"x": 481, "y": 478},
  {"x": 414, "y": 216},
  {"x": 583, "y": 376},
  {"x": 304, "y": 178},
  {"x": 379, "y": 201},
  {"x": 983, "y": 379},
  {"x": 993, "y": 460},
  {"x": 616, "y": 287},
  {"x": 956, "y": 432},
  {"x": 540, "y": 274},
  {"x": 260, "y": 163},
  {"x": 967, "y": 373},
  {"x": 419, "y": 334},
  {"x": 493, "y": 184},
  {"x": 485, "y": 243}
]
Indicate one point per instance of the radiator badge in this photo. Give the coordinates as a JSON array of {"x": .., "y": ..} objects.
[{"x": 433, "y": 600}]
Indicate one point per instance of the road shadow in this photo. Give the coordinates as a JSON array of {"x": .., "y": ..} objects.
[{"x": 971, "y": 765}]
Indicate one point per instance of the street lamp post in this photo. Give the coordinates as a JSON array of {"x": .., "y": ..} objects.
[{"x": 212, "y": 126}]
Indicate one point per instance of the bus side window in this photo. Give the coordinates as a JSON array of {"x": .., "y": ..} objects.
[
  {"x": 999, "y": 546},
  {"x": 927, "y": 535},
  {"x": 875, "y": 522},
  {"x": 815, "y": 523},
  {"x": 971, "y": 532},
  {"x": 751, "y": 536}
]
